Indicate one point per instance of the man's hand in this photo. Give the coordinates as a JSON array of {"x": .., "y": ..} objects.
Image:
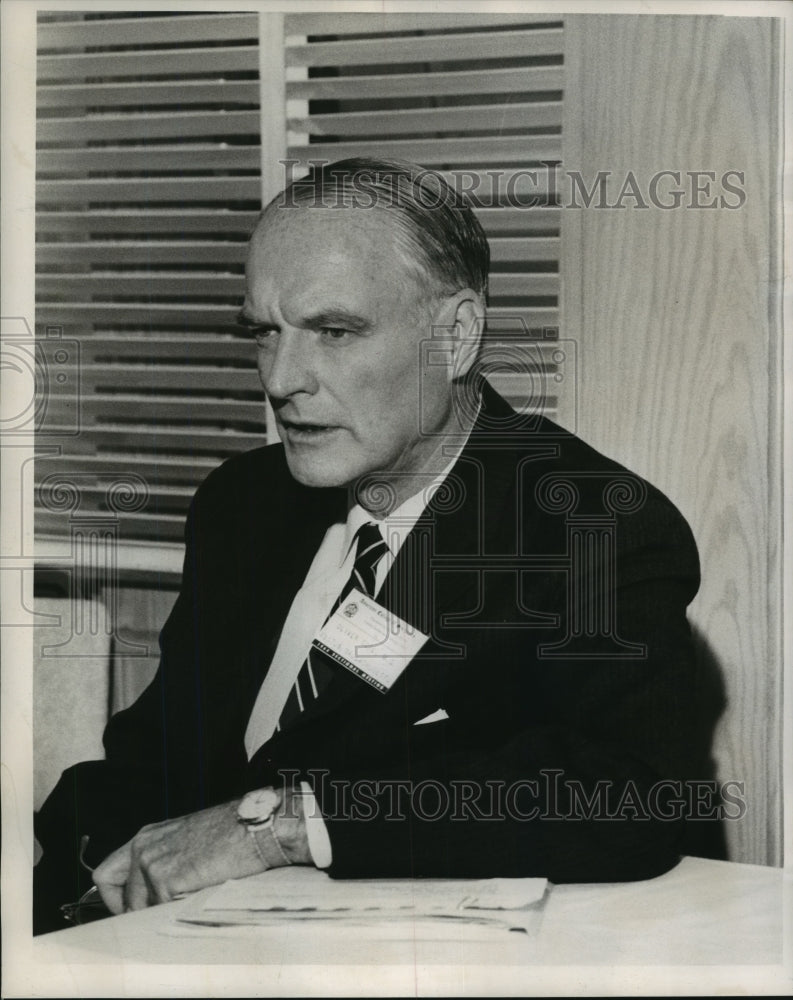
[{"x": 169, "y": 859}]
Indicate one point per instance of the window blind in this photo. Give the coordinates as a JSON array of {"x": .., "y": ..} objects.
[
  {"x": 148, "y": 184},
  {"x": 149, "y": 167},
  {"x": 478, "y": 97}
]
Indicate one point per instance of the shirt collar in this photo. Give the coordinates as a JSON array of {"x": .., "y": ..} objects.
[{"x": 400, "y": 522}]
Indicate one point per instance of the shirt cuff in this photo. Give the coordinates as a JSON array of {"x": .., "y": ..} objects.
[{"x": 316, "y": 831}]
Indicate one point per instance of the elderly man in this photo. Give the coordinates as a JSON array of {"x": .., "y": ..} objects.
[{"x": 423, "y": 635}]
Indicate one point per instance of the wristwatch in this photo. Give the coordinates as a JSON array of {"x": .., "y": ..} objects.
[{"x": 257, "y": 811}]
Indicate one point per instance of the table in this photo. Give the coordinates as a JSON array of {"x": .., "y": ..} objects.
[{"x": 699, "y": 916}]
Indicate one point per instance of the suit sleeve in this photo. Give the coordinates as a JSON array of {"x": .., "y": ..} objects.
[{"x": 573, "y": 769}]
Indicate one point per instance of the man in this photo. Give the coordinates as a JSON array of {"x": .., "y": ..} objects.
[{"x": 528, "y": 707}]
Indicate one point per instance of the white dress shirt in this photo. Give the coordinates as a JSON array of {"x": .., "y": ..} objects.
[{"x": 310, "y": 608}]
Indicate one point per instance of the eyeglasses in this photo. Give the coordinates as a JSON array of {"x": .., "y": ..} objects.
[{"x": 87, "y": 908}]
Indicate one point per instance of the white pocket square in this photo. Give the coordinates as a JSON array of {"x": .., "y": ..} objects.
[{"x": 437, "y": 716}]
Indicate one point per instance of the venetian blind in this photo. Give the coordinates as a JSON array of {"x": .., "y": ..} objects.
[
  {"x": 149, "y": 181},
  {"x": 478, "y": 97},
  {"x": 148, "y": 169}
]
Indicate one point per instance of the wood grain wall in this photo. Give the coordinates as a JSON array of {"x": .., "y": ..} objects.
[{"x": 676, "y": 318}]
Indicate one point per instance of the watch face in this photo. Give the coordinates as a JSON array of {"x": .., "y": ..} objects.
[{"x": 258, "y": 806}]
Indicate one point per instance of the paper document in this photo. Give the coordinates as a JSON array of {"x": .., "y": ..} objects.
[{"x": 307, "y": 894}]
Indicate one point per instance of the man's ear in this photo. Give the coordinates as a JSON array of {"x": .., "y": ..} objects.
[{"x": 469, "y": 325}]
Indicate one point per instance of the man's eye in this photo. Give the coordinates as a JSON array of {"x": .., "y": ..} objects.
[
  {"x": 333, "y": 332},
  {"x": 264, "y": 335}
]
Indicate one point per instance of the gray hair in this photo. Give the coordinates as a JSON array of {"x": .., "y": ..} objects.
[{"x": 438, "y": 224}]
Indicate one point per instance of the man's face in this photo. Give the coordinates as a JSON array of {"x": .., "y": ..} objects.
[{"x": 339, "y": 315}]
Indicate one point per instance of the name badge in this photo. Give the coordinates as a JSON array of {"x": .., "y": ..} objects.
[{"x": 375, "y": 644}]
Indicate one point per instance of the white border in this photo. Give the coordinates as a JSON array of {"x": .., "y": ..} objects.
[{"x": 21, "y": 976}]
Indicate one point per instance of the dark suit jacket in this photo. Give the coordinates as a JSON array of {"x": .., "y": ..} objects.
[{"x": 554, "y": 584}]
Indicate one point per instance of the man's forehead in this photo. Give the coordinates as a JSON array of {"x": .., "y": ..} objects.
[
  {"x": 354, "y": 226},
  {"x": 361, "y": 250},
  {"x": 306, "y": 258},
  {"x": 317, "y": 248}
]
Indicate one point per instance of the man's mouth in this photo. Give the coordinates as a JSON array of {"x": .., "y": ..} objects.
[{"x": 304, "y": 429}]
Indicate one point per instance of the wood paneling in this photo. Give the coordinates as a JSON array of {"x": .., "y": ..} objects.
[{"x": 675, "y": 312}]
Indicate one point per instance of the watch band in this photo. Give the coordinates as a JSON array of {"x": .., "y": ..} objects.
[
  {"x": 268, "y": 846},
  {"x": 257, "y": 811}
]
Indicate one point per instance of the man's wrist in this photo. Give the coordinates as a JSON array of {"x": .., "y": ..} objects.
[
  {"x": 275, "y": 822},
  {"x": 289, "y": 826}
]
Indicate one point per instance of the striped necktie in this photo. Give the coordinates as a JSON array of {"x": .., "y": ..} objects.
[{"x": 316, "y": 672}]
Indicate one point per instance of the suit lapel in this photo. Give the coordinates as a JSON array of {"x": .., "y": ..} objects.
[{"x": 474, "y": 514}]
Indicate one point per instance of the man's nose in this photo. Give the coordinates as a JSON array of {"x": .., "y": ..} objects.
[{"x": 286, "y": 368}]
